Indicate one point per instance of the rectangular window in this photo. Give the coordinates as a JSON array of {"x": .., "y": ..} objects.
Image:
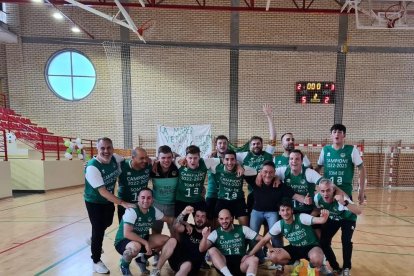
[{"x": 3, "y": 15}]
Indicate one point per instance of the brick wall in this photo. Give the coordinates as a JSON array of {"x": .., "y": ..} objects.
[{"x": 190, "y": 85}]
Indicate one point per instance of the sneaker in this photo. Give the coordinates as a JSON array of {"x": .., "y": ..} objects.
[
  {"x": 100, "y": 268},
  {"x": 337, "y": 271},
  {"x": 324, "y": 270},
  {"x": 346, "y": 272},
  {"x": 155, "y": 272},
  {"x": 207, "y": 258},
  {"x": 205, "y": 265},
  {"x": 142, "y": 265},
  {"x": 89, "y": 241},
  {"x": 155, "y": 260},
  {"x": 125, "y": 270}
]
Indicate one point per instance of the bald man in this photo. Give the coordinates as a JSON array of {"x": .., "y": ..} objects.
[
  {"x": 229, "y": 240},
  {"x": 133, "y": 178}
]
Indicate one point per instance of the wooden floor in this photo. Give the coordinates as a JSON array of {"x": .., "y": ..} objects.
[{"x": 45, "y": 234}]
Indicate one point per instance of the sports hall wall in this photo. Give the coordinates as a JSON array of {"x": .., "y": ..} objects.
[{"x": 208, "y": 67}]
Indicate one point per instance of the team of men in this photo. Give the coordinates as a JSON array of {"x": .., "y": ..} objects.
[{"x": 287, "y": 188}]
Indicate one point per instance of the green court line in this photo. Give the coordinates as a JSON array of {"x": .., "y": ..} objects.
[
  {"x": 71, "y": 255},
  {"x": 60, "y": 261}
]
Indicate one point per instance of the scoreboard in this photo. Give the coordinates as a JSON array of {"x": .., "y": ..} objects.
[{"x": 315, "y": 92}]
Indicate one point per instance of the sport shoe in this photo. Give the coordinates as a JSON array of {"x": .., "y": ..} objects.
[
  {"x": 155, "y": 272},
  {"x": 324, "y": 270},
  {"x": 125, "y": 270},
  {"x": 142, "y": 265},
  {"x": 89, "y": 241},
  {"x": 346, "y": 272},
  {"x": 100, "y": 268}
]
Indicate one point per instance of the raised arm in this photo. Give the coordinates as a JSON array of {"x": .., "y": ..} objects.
[
  {"x": 267, "y": 110},
  {"x": 205, "y": 244}
]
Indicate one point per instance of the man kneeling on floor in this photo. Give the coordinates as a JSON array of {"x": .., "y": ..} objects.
[
  {"x": 228, "y": 255},
  {"x": 133, "y": 234},
  {"x": 297, "y": 229}
]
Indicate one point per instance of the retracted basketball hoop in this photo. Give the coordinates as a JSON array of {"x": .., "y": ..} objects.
[{"x": 145, "y": 26}]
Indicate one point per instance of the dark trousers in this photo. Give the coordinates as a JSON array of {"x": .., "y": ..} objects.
[
  {"x": 328, "y": 231},
  {"x": 121, "y": 212},
  {"x": 100, "y": 216}
]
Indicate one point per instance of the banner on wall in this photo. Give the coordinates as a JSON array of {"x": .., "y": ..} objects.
[{"x": 178, "y": 138}]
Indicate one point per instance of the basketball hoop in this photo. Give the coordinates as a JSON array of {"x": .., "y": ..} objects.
[
  {"x": 145, "y": 26},
  {"x": 393, "y": 14}
]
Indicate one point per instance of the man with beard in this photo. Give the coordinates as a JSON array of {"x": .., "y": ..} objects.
[
  {"x": 187, "y": 258},
  {"x": 303, "y": 243},
  {"x": 288, "y": 144},
  {"x": 339, "y": 162},
  {"x": 256, "y": 156},
  {"x": 229, "y": 240},
  {"x": 342, "y": 214},
  {"x": 135, "y": 174},
  {"x": 221, "y": 143},
  {"x": 133, "y": 234},
  {"x": 101, "y": 173}
]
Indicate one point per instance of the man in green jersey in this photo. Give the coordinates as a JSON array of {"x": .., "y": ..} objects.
[
  {"x": 164, "y": 183},
  {"x": 229, "y": 240},
  {"x": 288, "y": 144},
  {"x": 342, "y": 214},
  {"x": 302, "y": 180},
  {"x": 190, "y": 187},
  {"x": 297, "y": 229},
  {"x": 133, "y": 234},
  {"x": 135, "y": 174},
  {"x": 221, "y": 143},
  {"x": 256, "y": 156},
  {"x": 339, "y": 161},
  {"x": 230, "y": 187},
  {"x": 101, "y": 173}
]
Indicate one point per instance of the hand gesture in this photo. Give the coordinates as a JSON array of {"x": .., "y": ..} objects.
[
  {"x": 307, "y": 200},
  {"x": 259, "y": 179},
  {"x": 128, "y": 205},
  {"x": 240, "y": 170},
  {"x": 206, "y": 231},
  {"x": 276, "y": 182},
  {"x": 324, "y": 213},
  {"x": 182, "y": 162},
  {"x": 340, "y": 198},
  {"x": 147, "y": 248},
  {"x": 267, "y": 110},
  {"x": 188, "y": 210},
  {"x": 188, "y": 228}
]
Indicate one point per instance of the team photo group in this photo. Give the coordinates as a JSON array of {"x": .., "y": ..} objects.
[{"x": 236, "y": 212}]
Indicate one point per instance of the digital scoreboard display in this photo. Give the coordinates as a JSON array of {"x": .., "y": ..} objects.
[{"x": 315, "y": 92}]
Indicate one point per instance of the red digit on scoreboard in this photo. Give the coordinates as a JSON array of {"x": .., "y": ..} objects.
[
  {"x": 303, "y": 99},
  {"x": 298, "y": 87},
  {"x": 332, "y": 87},
  {"x": 326, "y": 99}
]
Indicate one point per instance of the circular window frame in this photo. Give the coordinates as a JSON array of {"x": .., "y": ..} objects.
[{"x": 46, "y": 75}]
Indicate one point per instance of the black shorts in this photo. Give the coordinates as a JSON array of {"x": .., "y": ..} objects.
[
  {"x": 180, "y": 206},
  {"x": 237, "y": 207},
  {"x": 299, "y": 252},
  {"x": 120, "y": 246},
  {"x": 180, "y": 256},
  {"x": 233, "y": 264},
  {"x": 211, "y": 207}
]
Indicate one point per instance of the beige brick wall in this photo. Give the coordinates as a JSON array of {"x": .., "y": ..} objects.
[{"x": 180, "y": 85}]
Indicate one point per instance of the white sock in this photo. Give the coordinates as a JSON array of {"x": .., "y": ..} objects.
[
  {"x": 250, "y": 274},
  {"x": 225, "y": 270}
]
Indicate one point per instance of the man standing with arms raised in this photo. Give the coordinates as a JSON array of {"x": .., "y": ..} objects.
[{"x": 288, "y": 144}]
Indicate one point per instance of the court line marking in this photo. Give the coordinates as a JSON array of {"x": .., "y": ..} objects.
[
  {"x": 38, "y": 237},
  {"x": 38, "y": 202},
  {"x": 391, "y": 215},
  {"x": 70, "y": 255}
]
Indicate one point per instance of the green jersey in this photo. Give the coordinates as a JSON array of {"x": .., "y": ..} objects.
[
  {"x": 132, "y": 181},
  {"x": 97, "y": 175},
  {"x": 232, "y": 242},
  {"x": 191, "y": 181},
  {"x": 165, "y": 184},
  {"x": 141, "y": 222},
  {"x": 339, "y": 165},
  {"x": 303, "y": 184},
  {"x": 298, "y": 233},
  {"x": 336, "y": 210},
  {"x": 254, "y": 161}
]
